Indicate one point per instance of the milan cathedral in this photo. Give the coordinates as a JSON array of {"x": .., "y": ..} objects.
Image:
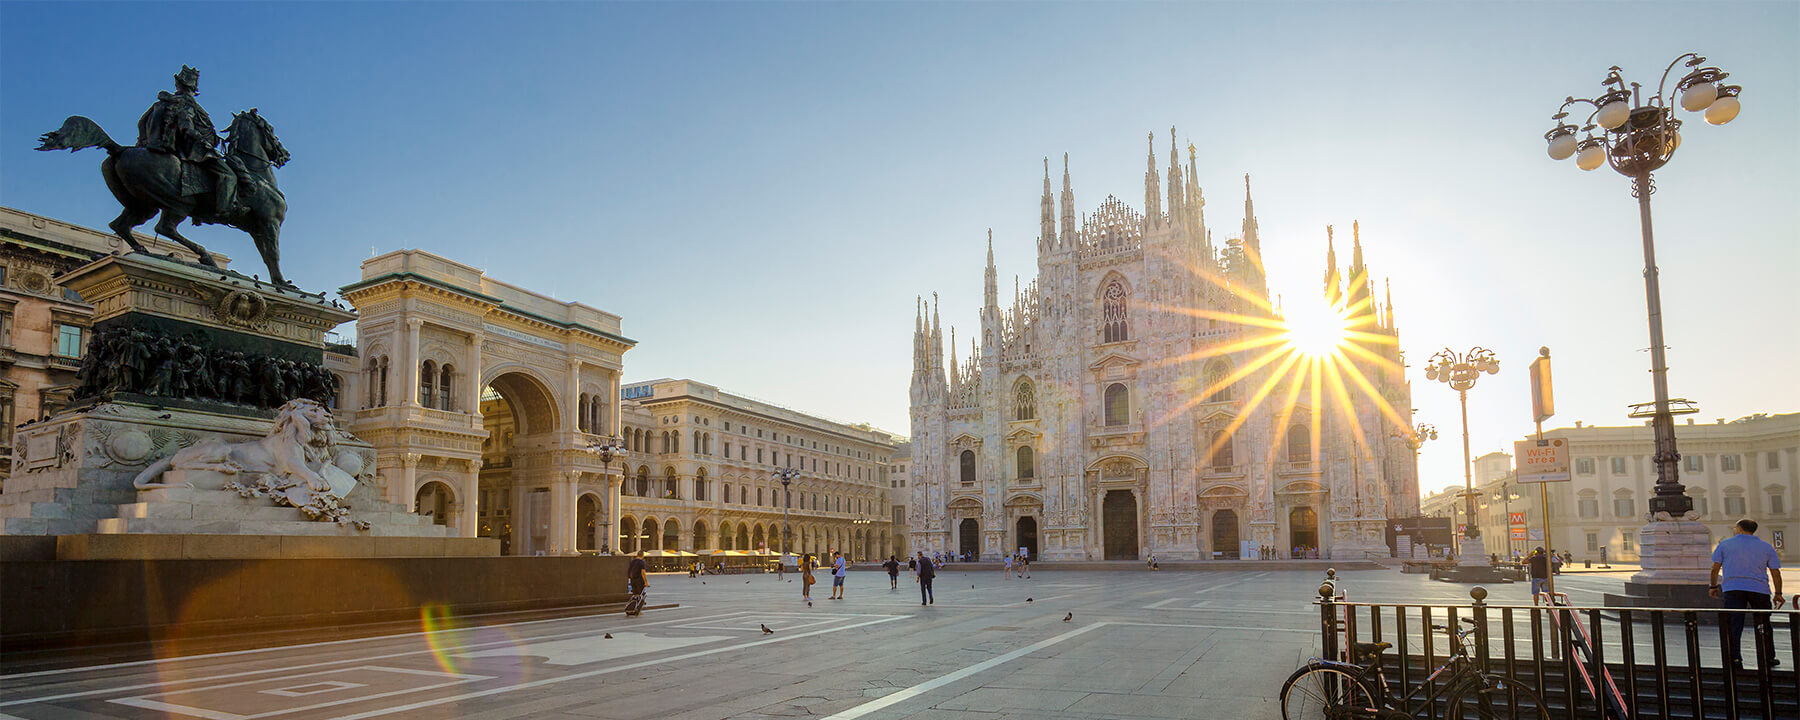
[{"x": 1130, "y": 401}]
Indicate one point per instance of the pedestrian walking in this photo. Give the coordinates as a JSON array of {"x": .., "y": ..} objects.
[
  {"x": 925, "y": 573},
  {"x": 1748, "y": 567},
  {"x": 1539, "y": 563},
  {"x": 893, "y": 568},
  {"x": 1007, "y": 562},
  {"x": 636, "y": 581},
  {"x": 840, "y": 567},
  {"x": 806, "y": 578},
  {"x": 1025, "y": 565}
]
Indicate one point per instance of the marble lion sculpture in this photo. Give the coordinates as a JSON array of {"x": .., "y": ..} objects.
[{"x": 296, "y": 453}]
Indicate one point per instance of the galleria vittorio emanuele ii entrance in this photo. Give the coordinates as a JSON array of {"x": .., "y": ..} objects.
[{"x": 484, "y": 402}]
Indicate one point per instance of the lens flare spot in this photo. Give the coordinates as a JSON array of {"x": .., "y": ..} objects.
[{"x": 435, "y": 619}]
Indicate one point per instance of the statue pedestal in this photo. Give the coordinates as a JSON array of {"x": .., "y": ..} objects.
[
  {"x": 188, "y": 359},
  {"x": 1677, "y": 566},
  {"x": 73, "y": 476},
  {"x": 176, "y": 334}
]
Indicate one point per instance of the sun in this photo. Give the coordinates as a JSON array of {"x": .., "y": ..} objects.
[{"x": 1316, "y": 329}]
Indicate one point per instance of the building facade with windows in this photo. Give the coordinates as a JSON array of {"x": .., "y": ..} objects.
[
  {"x": 44, "y": 327},
  {"x": 1732, "y": 470},
  {"x": 703, "y": 473},
  {"x": 1127, "y": 401}
]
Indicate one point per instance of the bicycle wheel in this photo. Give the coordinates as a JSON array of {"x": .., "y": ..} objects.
[
  {"x": 1318, "y": 687},
  {"x": 1496, "y": 697}
]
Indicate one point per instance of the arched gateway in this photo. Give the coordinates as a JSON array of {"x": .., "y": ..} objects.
[{"x": 495, "y": 394}]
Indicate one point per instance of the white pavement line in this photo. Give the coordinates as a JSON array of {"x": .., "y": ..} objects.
[
  {"x": 1160, "y": 603},
  {"x": 324, "y": 643},
  {"x": 603, "y": 671},
  {"x": 1238, "y": 581},
  {"x": 216, "y": 715},
  {"x": 943, "y": 680},
  {"x": 512, "y": 641}
]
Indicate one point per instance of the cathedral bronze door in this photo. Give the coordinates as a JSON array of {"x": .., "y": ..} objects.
[
  {"x": 1027, "y": 534},
  {"x": 1120, "y": 515},
  {"x": 968, "y": 538},
  {"x": 1303, "y": 531},
  {"x": 1225, "y": 534}
]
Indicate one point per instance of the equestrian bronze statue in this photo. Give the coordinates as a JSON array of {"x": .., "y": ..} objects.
[{"x": 176, "y": 169}]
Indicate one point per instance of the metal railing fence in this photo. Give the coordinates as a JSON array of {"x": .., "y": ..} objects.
[{"x": 1657, "y": 663}]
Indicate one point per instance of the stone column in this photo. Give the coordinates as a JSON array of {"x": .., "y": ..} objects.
[
  {"x": 467, "y": 524},
  {"x": 612, "y": 510},
  {"x": 561, "y": 539},
  {"x": 472, "y": 401},
  {"x": 612, "y": 406},
  {"x": 409, "y": 470},
  {"x": 409, "y": 376},
  {"x": 574, "y": 396}
]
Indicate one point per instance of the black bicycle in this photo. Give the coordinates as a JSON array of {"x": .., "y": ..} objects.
[{"x": 1333, "y": 690}]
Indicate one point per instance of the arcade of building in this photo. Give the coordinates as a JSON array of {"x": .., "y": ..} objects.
[{"x": 487, "y": 402}]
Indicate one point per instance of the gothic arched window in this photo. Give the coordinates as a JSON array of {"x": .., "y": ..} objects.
[
  {"x": 1299, "y": 444},
  {"x": 1024, "y": 400},
  {"x": 1221, "y": 450},
  {"x": 1114, "y": 307},
  {"x": 1216, "y": 373},
  {"x": 1118, "y": 404},
  {"x": 581, "y": 415},
  {"x": 643, "y": 481},
  {"x": 445, "y": 375},
  {"x": 1027, "y": 469},
  {"x": 968, "y": 466}
]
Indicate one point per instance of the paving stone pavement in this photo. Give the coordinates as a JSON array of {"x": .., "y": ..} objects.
[{"x": 1141, "y": 645}]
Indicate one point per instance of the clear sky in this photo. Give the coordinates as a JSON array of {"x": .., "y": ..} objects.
[{"x": 761, "y": 190}]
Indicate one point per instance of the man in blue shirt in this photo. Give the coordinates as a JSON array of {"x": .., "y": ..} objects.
[{"x": 1748, "y": 565}]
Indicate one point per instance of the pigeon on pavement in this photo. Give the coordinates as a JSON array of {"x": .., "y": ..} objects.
[
  {"x": 1027, "y": 599},
  {"x": 609, "y": 636},
  {"x": 765, "y": 629},
  {"x": 1068, "y": 617}
]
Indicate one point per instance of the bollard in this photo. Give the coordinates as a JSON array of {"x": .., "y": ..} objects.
[{"x": 1479, "y": 594}]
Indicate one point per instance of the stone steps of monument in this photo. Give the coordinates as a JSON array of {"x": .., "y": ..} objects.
[
  {"x": 433, "y": 531},
  {"x": 179, "y": 526},
  {"x": 244, "y": 509},
  {"x": 46, "y": 526}
]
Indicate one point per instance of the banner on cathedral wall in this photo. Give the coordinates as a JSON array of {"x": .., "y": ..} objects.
[{"x": 1541, "y": 461}]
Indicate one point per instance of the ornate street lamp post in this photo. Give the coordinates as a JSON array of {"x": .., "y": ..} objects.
[
  {"x": 613, "y": 447},
  {"x": 1638, "y": 136},
  {"x": 1460, "y": 371},
  {"x": 787, "y": 476},
  {"x": 1417, "y": 437},
  {"x": 1506, "y": 496}
]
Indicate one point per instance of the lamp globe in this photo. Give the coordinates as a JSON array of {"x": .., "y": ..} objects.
[
  {"x": 1722, "y": 110},
  {"x": 1699, "y": 96}
]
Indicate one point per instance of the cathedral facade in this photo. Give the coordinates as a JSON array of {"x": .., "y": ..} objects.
[{"x": 1140, "y": 396}]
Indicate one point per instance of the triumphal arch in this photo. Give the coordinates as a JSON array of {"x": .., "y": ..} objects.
[{"x": 485, "y": 401}]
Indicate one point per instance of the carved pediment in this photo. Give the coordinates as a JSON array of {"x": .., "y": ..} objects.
[
  {"x": 1024, "y": 499},
  {"x": 1120, "y": 465},
  {"x": 965, "y": 441},
  {"x": 1231, "y": 490},
  {"x": 966, "y": 502},
  {"x": 1113, "y": 362},
  {"x": 1024, "y": 436},
  {"x": 1302, "y": 486}
]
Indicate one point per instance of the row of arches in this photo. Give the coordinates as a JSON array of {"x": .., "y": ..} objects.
[
  {"x": 651, "y": 534},
  {"x": 435, "y": 383},
  {"x": 590, "y": 413}
]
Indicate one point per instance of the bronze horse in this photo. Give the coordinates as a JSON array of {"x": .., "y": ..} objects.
[{"x": 148, "y": 182}]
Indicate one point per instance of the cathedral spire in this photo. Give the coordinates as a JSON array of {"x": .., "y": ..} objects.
[
  {"x": 1047, "y": 215},
  {"x": 1359, "y": 289},
  {"x": 1068, "y": 207},
  {"x": 1331, "y": 271},
  {"x": 991, "y": 290},
  {"x": 1389, "y": 311},
  {"x": 955, "y": 377},
  {"x": 1251, "y": 241},
  {"x": 1152, "y": 191},
  {"x": 1177, "y": 198}
]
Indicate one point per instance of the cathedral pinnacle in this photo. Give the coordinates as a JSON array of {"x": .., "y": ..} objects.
[
  {"x": 1068, "y": 207},
  {"x": 1152, "y": 190},
  {"x": 1331, "y": 272}
]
